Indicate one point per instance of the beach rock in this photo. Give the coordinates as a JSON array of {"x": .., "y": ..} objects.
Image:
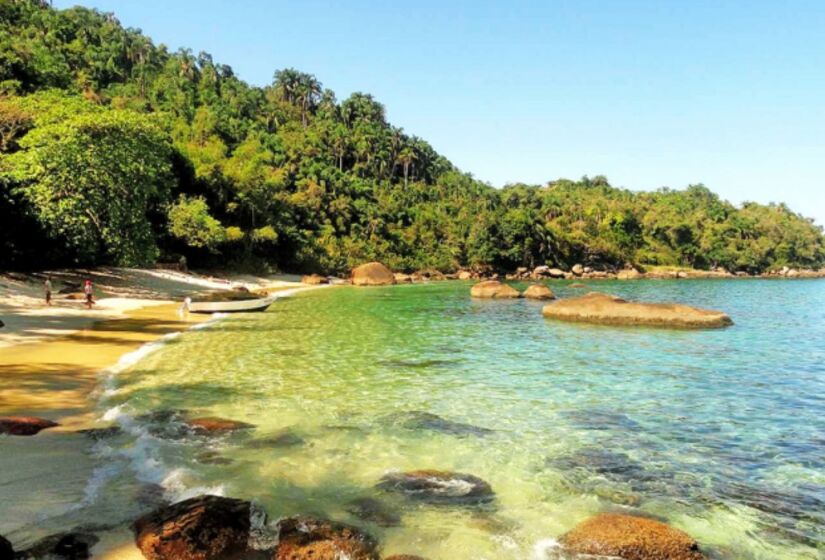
[
  {"x": 201, "y": 528},
  {"x": 630, "y": 538},
  {"x": 213, "y": 425},
  {"x": 402, "y": 278},
  {"x": 606, "y": 309},
  {"x": 309, "y": 538},
  {"x": 494, "y": 289},
  {"x": 538, "y": 291},
  {"x": 6, "y": 551},
  {"x": 24, "y": 425},
  {"x": 314, "y": 279},
  {"x": 464, "y": 275},
  {"x": 374, "y": 511},
  {"x": 577, "y": 269},
  {"x": 555, "y": 273},
  {"x": 628, "y": 274},
  {"x": 74, "y": 545},
  {"x": 372, "y": 274},
  {"x": 439, "y": 487},
  {"x": 418, "y": 420}
]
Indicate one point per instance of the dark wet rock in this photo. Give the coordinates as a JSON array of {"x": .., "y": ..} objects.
[
  {"x": 374, "y": 511},
  {"x": 98, "y": 434},
  {"x": 280, "y": 440},
  {"x": 201, "y": 528},
  {"x": 788, "y": 507},
  {"x": 309, "y": 538},
  {"x": 24, "y": 425},
  {"x": 601, "y": 461},
  {"x": 6, "y": 551},
  {"x": 439, "y": 487},
  {"x": 151, "y": 495},
  {"x": 69, "y": 546},
  {"x": 630, "y": 538},
  {"x": 213, "y": 425},
  {"x": 419, "y": 420}
]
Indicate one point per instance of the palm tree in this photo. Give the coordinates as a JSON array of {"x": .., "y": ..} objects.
[{"x": 406, "y": 158}]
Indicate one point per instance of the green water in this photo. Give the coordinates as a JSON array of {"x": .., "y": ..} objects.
[{"x": 720, "y": 432}]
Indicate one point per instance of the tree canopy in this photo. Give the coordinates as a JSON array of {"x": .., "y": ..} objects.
[{"x": 116, "y": 150}]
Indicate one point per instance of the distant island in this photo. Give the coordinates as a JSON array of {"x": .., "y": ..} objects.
[{"x": 114, "y": 150}]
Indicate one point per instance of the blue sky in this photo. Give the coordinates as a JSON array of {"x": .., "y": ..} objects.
[{"x": 650, "y": 94}]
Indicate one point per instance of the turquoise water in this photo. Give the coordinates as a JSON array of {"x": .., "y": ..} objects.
[{"x": 719, "y": 432}]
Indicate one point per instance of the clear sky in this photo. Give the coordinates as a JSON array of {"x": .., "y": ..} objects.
[{"x": 648, "y": 93}]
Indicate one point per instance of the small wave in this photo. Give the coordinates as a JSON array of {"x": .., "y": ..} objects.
[{"x": 547, "y": 549}]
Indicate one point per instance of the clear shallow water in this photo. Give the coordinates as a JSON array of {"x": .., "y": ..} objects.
[{"x": 721, "y": 432}]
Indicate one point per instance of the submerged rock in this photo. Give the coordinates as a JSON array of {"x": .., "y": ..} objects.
[
  {"x": 215, "y": 425},
  {"x": 374, "y": 511},
  {"x": 24, "y": 425},
  {"x": 538, "y": 291},
  {"x": 74, "y": 545},
  {"x": 418, "y": 420},
  {"x": 101, "y": 433},
  {"x": 601, "y": 308},
  {"x": 630, "y": 538},
  {"x": 372, "y": 274},
  {"x": 282, "y": 439},
  {"x": 439, "y": 487},
  {"x": 201, "y": 528},
  {"x": 494, "y": 289},
  {"x": 309, "y": 538},
  {"x": 6, "y": 551},
  {"x": 577, "y": 286}
]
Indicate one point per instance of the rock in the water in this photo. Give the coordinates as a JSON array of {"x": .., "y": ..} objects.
[
  {"x": 601, "y": 308},
  {"x": 374, "y": 511},
  {"x": 577, "y": 286},
  {"x": 6, "y": 551},
  {"x": 555, "y": 273},
  {"x": 101, "y": 433},
  {"x": 372, "y": 274},
  {"x": 309, "y": 538},
  {"x": 493, "y": 289},
  {"x": 215, "y": 425},
  {"x": 24, "y": 425},
  {"x": 282, "y": 439},
  {"x": 418, "y": 420},
  {"x": 314, "y": 279},
  {"x": 201, "y": 528},
  {"x": 439, "y": 487},
  {"x": 69, "y": 546},
  {"x": 577, "y": 269},
  {"x": 628, "y": 274},
  {"x": 630, "y": 538},
  {"x": 538, "y": 291}
]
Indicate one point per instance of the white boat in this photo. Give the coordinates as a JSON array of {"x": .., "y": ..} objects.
[{"x": 233, "y": 306}]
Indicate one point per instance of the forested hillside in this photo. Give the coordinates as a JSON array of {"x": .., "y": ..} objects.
[{"x": 115, "y": 150}]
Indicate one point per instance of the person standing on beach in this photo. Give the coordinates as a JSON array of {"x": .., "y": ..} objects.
[
  {"x": 47, "y": 288},
  {"x": 89, "y": 291}
]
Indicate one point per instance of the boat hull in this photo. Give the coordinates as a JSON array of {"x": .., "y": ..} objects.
[{"x": 242, "y": 306}]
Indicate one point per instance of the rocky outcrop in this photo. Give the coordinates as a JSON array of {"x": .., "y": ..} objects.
[
  {"x": 309, "y": 538},
  {"x": 212, "y": 425},
  {"x": 314, "y": 279},
  {"x": 75, "y": 545},
  {"x": 601, "y": 308},
  {"x": 538, "y": 291},
  {"x": 202, "y": 528},
  {"x": 24, "y": 425},
  {"x": 439, "y": 487},
  {"x": 6, "y": 551},
  {"x": 494, "y": 289},
  {"x": 372, "y": 274},
  {"x": 630, "y": 538}
]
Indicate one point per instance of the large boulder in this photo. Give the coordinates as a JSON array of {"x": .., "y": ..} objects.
[
  {"x": 309, "y": 538},
  {"x": 372, "y": 274},
  {"x": 555, "y": 273},
  {"x": 24, "y": 425},
  {"x": 201, "y": 528},
  {"x": 577, "y": 269},
  {"x": 601, "y": 308},
  {"x": 630, "y": 538},
  {"x": 438, "y": 487},
  {"x": 538, "y": 291},
  {"x": 314, "y": 279},
  {"x": 464, "y": 275},
  {"x": 6, "y": 551},
  {"x": 494, "y": 289},
  {"x": 628, "y": 274}
]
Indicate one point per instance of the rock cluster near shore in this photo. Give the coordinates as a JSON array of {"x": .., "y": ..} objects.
[{"x": 601, "y": 308}]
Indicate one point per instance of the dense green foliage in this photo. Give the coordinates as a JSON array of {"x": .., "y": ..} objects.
[{"x": 115, "y": 150}]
